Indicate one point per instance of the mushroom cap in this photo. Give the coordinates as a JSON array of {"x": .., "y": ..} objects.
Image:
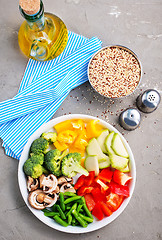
[
  {"x": 63, "y": 179},
  {"x": 39, "y": 200},
  {"x": 32, "y": 184},
  {"x": 32, "y": 198},
  {"x": 67, "y": 187},
  {"x": 49, "y": 183},
  {"x": 50, "y": 199}
]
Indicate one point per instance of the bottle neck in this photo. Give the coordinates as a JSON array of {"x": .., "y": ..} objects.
[{"x": 36, "y": 22}]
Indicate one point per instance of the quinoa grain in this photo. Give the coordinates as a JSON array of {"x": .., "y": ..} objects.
[{"x": 114, "y": 72}]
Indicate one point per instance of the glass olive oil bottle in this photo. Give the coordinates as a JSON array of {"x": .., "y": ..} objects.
[{"x": 42, "y": 36}]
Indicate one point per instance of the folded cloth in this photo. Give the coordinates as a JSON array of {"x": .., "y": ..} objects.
[{"x": 44, "y": 87}]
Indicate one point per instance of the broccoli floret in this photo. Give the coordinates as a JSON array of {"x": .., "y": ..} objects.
[
  {"x": 71, "y": 165},
  {"x": 52, "y": 161},
  {"x": 50, "y": 137},
  {"x": 37, "y": 158},
  {"x": 39, "y": 145},
  {"x": 33, "y": 165}
]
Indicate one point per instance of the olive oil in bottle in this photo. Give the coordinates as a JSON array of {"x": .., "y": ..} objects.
[{"x": 42, "y": 36}]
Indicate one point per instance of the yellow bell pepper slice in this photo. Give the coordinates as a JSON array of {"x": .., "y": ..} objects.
[
  {"x": 66, "y": 125},
  {"x": 80, "y": 142},
  {"x": 60, "y": 146},
  {"x": 78, "y": 124},
  {"x": 82, "y": 162},
  {"x": 73, "y": 149},
  {"x": 67, "y": 137},
  {"x": 93, "y": 129}
]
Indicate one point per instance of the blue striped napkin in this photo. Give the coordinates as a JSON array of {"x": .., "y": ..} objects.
[{"x": 44, "y": 87}]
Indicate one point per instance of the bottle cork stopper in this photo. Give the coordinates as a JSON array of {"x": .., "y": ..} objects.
[{"x": 30, "y": 7}]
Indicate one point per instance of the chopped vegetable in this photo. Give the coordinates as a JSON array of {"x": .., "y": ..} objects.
[
  {"x": 120, "y": 177},
  {"x": 71, "y": 165},
  {"x": 105, "y": 175},
  {"x": 79, "y": 182},
  {"x": 91, "y": 164},
  {"x": 105, "y": 209},
  {"x": 53, "y": 162},
  {"x": 83, "y": 190},
  {"x": 90, "y": 178},
  {"x": 119, "y": 189},
  {"x": 33, "y": 166},
  {"x": 118, "y": 162},
  {"x": 67, "y": 137},
  {"x": 89, "y": 201},
  {"x": 63, "y": 126},
  {"x": 60, "y": 221},
  {"x": 114, "y": 201},
  {"x": 97, "y": 212},
  {"x": 118, "y": 146},
  {"x": 39, "y": 145},
  {"x": 93, "y": 129},
  {"x": 50, "y": 137}
]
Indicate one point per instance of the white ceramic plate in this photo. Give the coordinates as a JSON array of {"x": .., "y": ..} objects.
[{"x": 39, "y": 214}]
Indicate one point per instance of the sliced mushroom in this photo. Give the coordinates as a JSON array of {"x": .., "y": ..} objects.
[
  {"x": 32, "y": 184},
  {"x": 64, "y": 179},
  {"x": 49, "y": 183},
  {"x": 39, "y": 200},
  {"x": 57, "y": 190},
  {"x": 33, "y": 199},
  {"x": 50, "y": 199},
  {"x": 67, "y": 187}
]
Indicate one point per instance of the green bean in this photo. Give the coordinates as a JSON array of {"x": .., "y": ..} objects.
[
  {"x": 54, "y": 208},
  {"x": 60, "y": 221},
  {"x": 62, "y": 215},
  {"x": 68, "y": 200},
  {"x": 68, "y": 207},
  {"x": 79, "y": 207},
  {"x": 69, "y": 194},
  {"x": 69, "y": 219},
  {"x": 45, "y": 210},
  {"x": 87, "y": 219},
  {"x": 50, "y": 214},
  {"x": 79, "y": 219},
  {"x": 72, "y": 208},
  {"x": 62, "y": 204},
  {"x": 86, "y": 209}
]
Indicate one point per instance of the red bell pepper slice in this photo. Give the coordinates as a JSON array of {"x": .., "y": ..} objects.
[
  {"x": 105, "y": 209},
  {"x": 105, "y": 175},
  {"x": 89, "y": 201},
  {"x": 83, "y": 190},
  {"x": 119, "y": 189},
  {"x": 98, "y": 195},
  {"x": 90, "y": 178},
  {"x": 114, "y": 201},
  {"x": 120, "y": 177},
  {"x": 79, "y": 182},
  {"x": 97, "y": 212}
]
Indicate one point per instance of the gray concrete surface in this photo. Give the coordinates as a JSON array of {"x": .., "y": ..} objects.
[{"x": 136, "y": 24}]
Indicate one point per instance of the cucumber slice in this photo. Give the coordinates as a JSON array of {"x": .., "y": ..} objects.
[
  {"x": 118, "y": 146},
  {"x": 126, "y": 169},
  {"x": 108, "y": 143},
  {"x": 91, "y": 164},
  {"x": 118, "y": 162},
  {"x": 101, "y": 140},
  {"x": 104, "y": 164},
  {"x": 93, "y": 148}
]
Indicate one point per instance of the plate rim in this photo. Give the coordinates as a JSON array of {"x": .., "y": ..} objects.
[{"x": 39, "y": 214}]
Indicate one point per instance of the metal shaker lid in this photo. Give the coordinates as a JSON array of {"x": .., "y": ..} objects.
[
  {"x": 148, "y": 101},
  {"x": 130, "y": 119}
]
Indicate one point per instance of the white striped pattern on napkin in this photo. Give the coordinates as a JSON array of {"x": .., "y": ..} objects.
[{"x": 50, "y": 82}]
